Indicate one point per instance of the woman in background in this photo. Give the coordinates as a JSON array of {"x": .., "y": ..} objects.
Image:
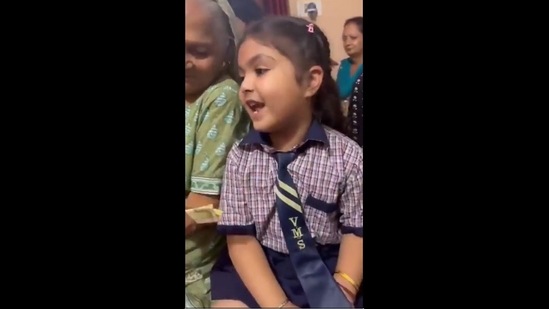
[
  {"x": 350, "y": 68},
  {"x": 246, "y": 11},
  {"x": 214, "y": 120},
  {"x": 356, "y": 112}
]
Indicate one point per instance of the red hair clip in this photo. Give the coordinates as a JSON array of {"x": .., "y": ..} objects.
[{"x": 311, "y": 28}]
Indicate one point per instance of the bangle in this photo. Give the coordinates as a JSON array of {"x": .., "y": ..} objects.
[
  {"x": 346, "y": 290},
  {"x": 284, "y": 303},
  {"x": 348, "y": 279}
]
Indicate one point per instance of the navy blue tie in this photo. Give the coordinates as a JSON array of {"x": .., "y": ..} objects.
[{"x": 316, "y": 280}]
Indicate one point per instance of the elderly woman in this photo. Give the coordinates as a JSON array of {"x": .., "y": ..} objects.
[{"x": 214, "y": 120}]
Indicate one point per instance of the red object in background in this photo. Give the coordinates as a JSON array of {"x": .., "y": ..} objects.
[{"x": 276, "y": 7}]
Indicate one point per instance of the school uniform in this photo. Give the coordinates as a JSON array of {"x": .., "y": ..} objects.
[{"x": 327, "y": 175}]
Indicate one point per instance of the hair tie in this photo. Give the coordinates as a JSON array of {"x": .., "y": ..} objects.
[{"x": 311, "y": 28}]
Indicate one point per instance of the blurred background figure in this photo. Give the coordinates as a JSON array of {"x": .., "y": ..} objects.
[
  {"x": 350, "y": 68},
  {"x": 312, "y": 11},
  {"x": 356, "y": 112},
  {"x": 246, "y": 11}
]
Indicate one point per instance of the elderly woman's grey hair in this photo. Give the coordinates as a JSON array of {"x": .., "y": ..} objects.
[{"x": 225, "y": 22}]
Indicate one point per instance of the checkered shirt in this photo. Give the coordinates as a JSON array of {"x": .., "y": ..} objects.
[{"x": 328, "y": 174}]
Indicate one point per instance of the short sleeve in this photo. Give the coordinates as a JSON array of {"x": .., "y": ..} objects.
[
  {"x": 236, "y": 218},
  {"x": 352, "y": 198},
  {"x": 222, "y": 124}
]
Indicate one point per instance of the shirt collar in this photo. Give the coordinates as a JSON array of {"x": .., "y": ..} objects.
[{"x": 315, "y": 133}]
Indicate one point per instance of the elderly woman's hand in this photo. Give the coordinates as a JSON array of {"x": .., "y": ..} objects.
[{"x": 190, "y": 225}]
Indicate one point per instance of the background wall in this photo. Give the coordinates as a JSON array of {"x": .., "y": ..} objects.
[{"x": 334, "y": 14}]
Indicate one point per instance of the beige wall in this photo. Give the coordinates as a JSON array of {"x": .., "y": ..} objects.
[{"x": 334, "y": 14}]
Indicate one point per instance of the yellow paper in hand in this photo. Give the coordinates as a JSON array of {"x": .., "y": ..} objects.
[{"x": 205, "y": 214}]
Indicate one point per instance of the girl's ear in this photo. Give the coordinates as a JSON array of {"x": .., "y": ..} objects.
[{"x": 316, "y": 75}]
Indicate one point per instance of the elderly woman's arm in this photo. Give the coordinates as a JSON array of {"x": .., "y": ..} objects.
[{"x": 221, "y": 125}]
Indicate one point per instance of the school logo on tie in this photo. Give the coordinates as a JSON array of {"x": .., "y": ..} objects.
[{"x": 296, "y": 231}]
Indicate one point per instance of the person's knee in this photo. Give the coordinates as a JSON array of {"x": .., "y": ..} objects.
[{"x": 228, "y": 303}]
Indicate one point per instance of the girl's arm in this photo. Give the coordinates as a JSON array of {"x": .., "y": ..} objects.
[
  {"x": 349, "y": 264},
  {"x": 245, "y": 251},
  {"x": 251, "y": 264},
  {"x": 350, "y": 261}
]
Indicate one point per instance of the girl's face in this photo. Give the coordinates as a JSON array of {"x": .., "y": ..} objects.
[
  {"x": 269, "y": 91},
  {"x": 205, "y": 50},
  {"x": 352, "y": 40}
]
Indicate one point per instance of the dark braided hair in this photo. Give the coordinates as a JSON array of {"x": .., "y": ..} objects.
[{"x": 292, "y": 38}]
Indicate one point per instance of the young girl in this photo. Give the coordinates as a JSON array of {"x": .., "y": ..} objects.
[
  {"x": 292, "y": 191},
  {"x": 214, "y": 120}
]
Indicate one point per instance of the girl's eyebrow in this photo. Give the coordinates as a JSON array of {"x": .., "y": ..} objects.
[{"x": 255, "y": 59}]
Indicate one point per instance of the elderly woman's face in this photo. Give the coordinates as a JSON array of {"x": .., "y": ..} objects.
[{"x": 205, "y": 48}]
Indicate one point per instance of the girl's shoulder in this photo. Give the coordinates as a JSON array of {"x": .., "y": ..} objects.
[{"x": 344, "y": 146}]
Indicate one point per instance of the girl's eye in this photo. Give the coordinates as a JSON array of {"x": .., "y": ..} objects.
[{"x": 260, "y": 72}]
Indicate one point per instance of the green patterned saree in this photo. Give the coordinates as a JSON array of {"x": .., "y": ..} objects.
[{"x": 212, "y": 125}]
